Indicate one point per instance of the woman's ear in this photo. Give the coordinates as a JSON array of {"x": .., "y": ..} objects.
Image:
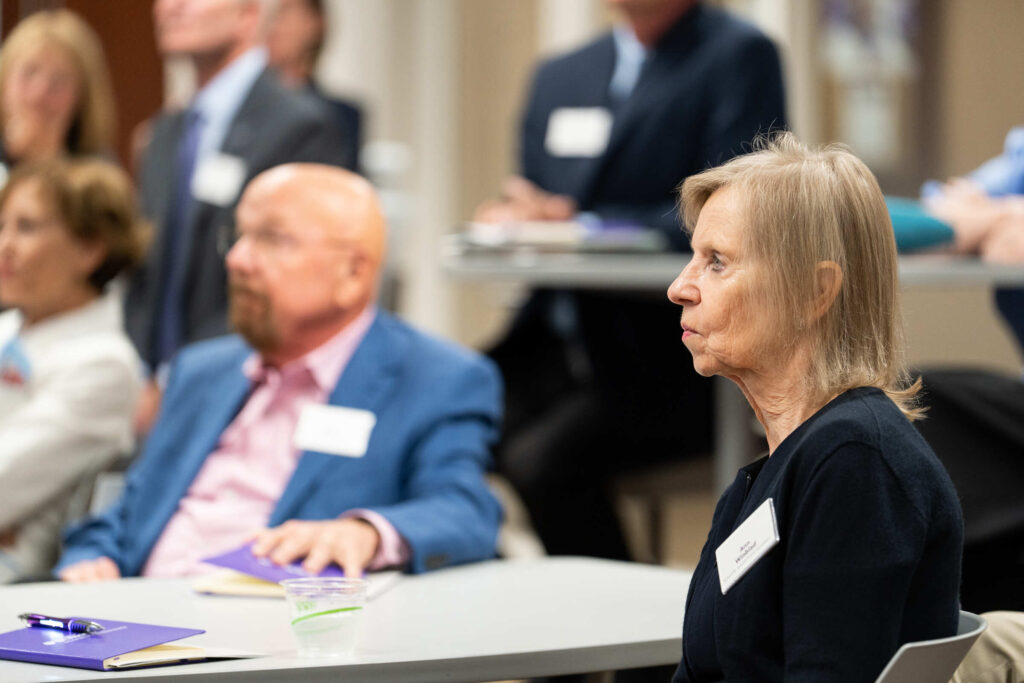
[{"x": 828, "y": 278}]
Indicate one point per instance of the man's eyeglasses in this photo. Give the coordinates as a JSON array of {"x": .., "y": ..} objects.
[{"x": 270, "y": 243}]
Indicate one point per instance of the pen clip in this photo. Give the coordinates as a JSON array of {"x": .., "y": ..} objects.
[{"x": 70, "y": 624}]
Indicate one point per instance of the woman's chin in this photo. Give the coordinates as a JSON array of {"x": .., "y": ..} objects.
[{"x": 705, "y": 368}]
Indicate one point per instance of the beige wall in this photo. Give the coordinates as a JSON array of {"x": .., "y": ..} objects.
[
  {"x": 982, "y": 89},
  {"x": 978, "y": 96}
]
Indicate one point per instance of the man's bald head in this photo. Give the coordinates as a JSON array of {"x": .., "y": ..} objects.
[
  {"x": 311, "y": 242},
  {"x": 341, "y": 204}
]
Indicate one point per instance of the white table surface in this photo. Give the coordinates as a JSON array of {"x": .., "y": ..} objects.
[
  {"x": 481, "y": 622},
  {"x": 656, "y": 271}
]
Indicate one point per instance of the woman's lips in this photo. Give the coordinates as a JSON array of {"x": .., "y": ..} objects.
[{"x": 687, "y": 331}]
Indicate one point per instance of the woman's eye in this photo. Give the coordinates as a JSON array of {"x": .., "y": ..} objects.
[
  {"x": 25, "y": 226},
  {"x": 716, "y": 262}
]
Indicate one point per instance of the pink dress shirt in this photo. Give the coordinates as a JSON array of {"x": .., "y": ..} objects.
[{"x": 235, "y": 491}]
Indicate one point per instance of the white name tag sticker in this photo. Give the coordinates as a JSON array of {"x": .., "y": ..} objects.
[
  {"x": 578, "y": 131},
  {"x": 334, "y": 429},
  {"x": 218, "y": 179},
  {"x": 758, "y": 534}
]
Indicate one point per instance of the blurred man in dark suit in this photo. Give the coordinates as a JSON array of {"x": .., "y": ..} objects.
[
  {"x": 610, "y": 131},
  {"x": 295, "y": 41},
  {"x": 240, "y": 122}
]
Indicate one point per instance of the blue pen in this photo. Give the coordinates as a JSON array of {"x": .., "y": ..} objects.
[{"x": 69, "y": 624}]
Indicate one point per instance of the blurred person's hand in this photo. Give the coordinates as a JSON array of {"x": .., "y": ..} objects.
[
  {"x": 350, "y": 542},
  {"x": 147, "y": 409},
  {"x": 972, "y": 214},
  {"x": 521, "y": 200},
  {"x": 1005, "y": 242},
  {"x": 87, "y": 571}
]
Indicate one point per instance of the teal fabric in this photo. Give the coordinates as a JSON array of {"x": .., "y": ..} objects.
[{"x": 914, "y": 228}]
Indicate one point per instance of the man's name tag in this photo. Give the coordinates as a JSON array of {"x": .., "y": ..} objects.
[
  {"x": 758, "y": 534},
  {"x": 578, "y": 131},
  {"x": 334, "y": 429},
  {"x": 218, "y": 179}
]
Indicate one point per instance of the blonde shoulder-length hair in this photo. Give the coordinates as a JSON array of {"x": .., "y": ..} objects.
[
  {"x": 92, "y": 129},
  {"x": 804, "y": 206}
]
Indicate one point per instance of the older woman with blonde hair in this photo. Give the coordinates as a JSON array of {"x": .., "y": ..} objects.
[
  {"x": 55, "y": 92},
  {"x": 69, "y": 377},
  {"x": 844, "y": 542}
]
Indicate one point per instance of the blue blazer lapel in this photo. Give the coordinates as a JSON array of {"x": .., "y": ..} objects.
[
  {"x": 197, "y": 439},
  {"x": 367, "y": 382}
]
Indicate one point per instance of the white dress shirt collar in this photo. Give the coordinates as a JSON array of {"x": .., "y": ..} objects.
[{"x": 218, "y": 101}]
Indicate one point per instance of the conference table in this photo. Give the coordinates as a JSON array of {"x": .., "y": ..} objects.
[
  {"x": 653, "y": 272},
  {"x": 482, "y": 622}
]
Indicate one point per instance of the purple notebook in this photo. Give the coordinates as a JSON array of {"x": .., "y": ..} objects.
[
  {"x": 242, "y": 560},
  {"x": 116, "y": 646}
]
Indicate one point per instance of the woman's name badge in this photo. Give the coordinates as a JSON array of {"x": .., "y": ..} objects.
[
  {"x": 334, "y": 429},
  {"x": 747, "y": 544}
]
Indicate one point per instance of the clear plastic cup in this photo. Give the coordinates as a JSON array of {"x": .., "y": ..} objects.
[{"x": 325, "y": 614}]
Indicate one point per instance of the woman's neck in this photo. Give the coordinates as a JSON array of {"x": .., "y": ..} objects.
[
  {"x": 76, "y": 300},
  {"x": 781, "y": 396}
]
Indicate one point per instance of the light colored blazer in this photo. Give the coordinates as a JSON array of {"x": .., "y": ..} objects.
[
  {"x": 438, "y": 408},
  {"x": 66, "y": 403}
]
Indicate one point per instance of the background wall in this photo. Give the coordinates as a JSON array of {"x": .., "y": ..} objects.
[
  {"x": 443, "y": 82},
  {"x": 475, "y": 62}
]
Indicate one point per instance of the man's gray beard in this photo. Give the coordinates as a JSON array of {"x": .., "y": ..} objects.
[{"x": 258, "y": 330}]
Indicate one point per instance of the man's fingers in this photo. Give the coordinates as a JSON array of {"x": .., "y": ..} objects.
[
  {"x": 353, "y": 560},
  {"x": 293, "y": 540},
  {"x": 263, "y": 541},
  {"x": 100, "y": 569},
  {"x": 322, "y": 554},
  {"x": 106, "y": 569},
  {"x": 558, "y": 207},
  {"x": 518, "y": 188}
]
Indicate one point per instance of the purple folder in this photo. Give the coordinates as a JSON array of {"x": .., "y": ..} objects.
[
  {"x": 99, "y": 651},
  {"x": 242, "y": 560}
]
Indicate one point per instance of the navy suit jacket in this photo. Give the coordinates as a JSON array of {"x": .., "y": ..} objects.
[
  {"x": 273, "y": 126},
  {"x": 348, "y": 116},
  {"x": 707, "y": 88},
  {"x": 438, "y": 410}
]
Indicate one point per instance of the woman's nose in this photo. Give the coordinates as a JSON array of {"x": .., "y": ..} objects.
[
  {"x": 5, "y": 239},
  {"x": 683, "y": 291}
]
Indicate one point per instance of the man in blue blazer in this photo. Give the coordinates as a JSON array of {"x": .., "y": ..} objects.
[{"x": 328, "y": 431}]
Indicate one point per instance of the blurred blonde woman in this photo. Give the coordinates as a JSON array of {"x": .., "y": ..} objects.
[
  {"x": 69, "y": 377},
  {"x": 55, "y": 92}
]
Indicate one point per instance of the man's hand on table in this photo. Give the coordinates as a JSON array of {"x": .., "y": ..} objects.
[
  {"x": 521, "y": 200},
  {"x": 349, "y": 542},
  {"x": 87, "y": 571}
]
